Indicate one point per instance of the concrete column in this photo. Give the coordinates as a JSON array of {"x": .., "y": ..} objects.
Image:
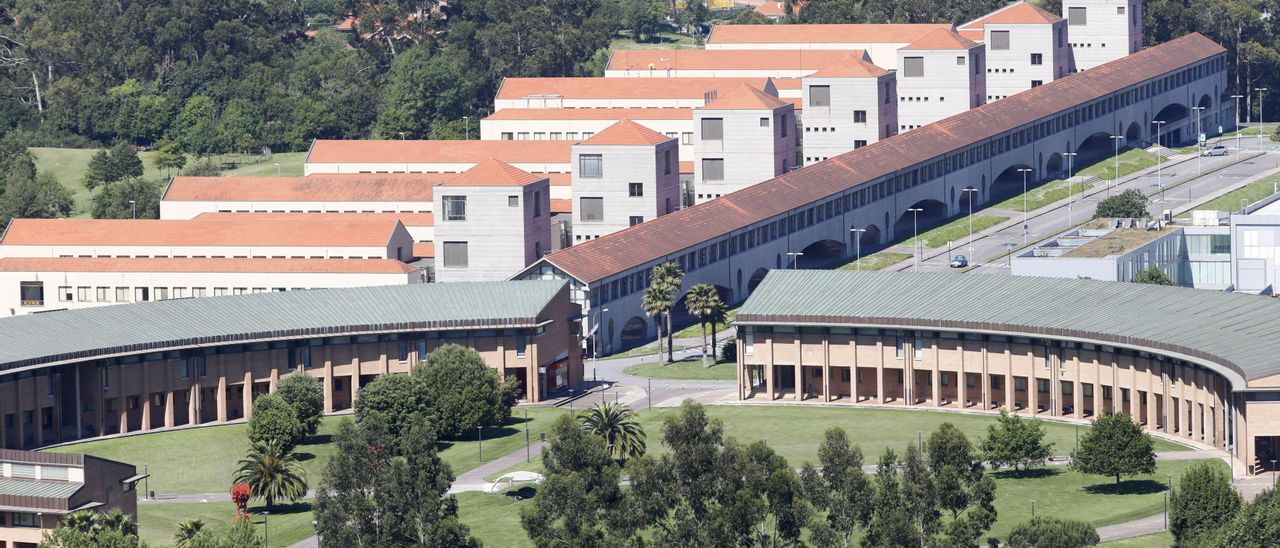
[
  {"x": 936, "y": 376},
  {"x": 193, "y": 403},
  {"x": 79, "y": 406},
  {"x": 146, "y": 399},
  {"x": 984, "y": 378},
  {"x": 1077, "y": 390},
  {"x": 384, "y": 365},
  {"x": 355, "y": 376},
  {"x": 826, "y": 368},
  {"x": 853, "y": 369},
  {"x": 1033, "y": 390},
  {"x": 880, "y": 370},
  {"x": 99, "y": 401},
  {"x": 169, "y": 400},
  {"x": 273, "y": 379},
  {"x": 799, "y": 395},
  {"x": 739, "y": 373},
  {"x": 769, "y": 374},
  {"x": 328, "y": 379},
  {"x": 246, "y": 395},
  {"x": 222, "y": 397}
]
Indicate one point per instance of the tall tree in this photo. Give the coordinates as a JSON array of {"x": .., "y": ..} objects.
[
  {"x": 1203, "y": 503},
  {"x": 273, "y": 419},
  {"x": 701, "y": 303},
  {"x": 423, "y": 90},
  {"x": 272, "y": 472},
  {"x": 1115, "y": 446},
  {"x": 39, "y": 197},
  {"x": 463, "y": 392},
  {"x": 656, "y": 302},
  {"x": 846, "y": 491},
  {"x": 617, "y": 425},
  {"x": 305, "y": 394},
  {"x": 667, "y": 277},
  {"x": 128, "y": 199},
  {"x": 1015, "y": 442}
]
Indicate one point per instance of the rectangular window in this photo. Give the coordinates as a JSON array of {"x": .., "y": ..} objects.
[
  {"x": 859, "y": 116},
  {"x": 522, "y": 344},
  {"x": 666, "y": 162},
  {"x": 820, "y": 96},
  {"x": 592, "y": 209},
  {"x": 141, "y": 294},
  {"x": 523, "y": 135},
  {"x": 82, "y": 294},
  {"x": 1119, "y": 10},
  {"x": 1037, "y": 83},
  {"x": 572, "y": 136},
  {"x": 1037, "y": 59},
  {"x": 64, "y": 293},
  {"x": 764, "y": 122},
  {"x": 556, "y": 136},
  {"x": 537, "y": 203},
  {"x": 686, "y": 138},
  {"x": 103, "y": 293},
  {"x": 23, "y": 519},
  {"x": 635, "y": 190},
  {"x": 900, "y": 348},
  {"x": 197, "y": 292},
  {"x": 455, "y": 254},
  {"x": 1076, "y": 17},
  {"x": 913, "y": 67},
  {"x": 712, "y": 129},
  {"x": 455, "y": 208},
  {"x": 202, "y": 370},
  {"x": 219, "y": 291},
  {"x": 917, "y": 348},
  {"x": 636, "y": 219},
  {"x": 402, "y": 351},
  {"x": 749, "y": 342},
  {"x": 999, "y": 39},
  {"x": 590, "y": 166},
  {"x": 506, "y": 136},
  {"x": 162, "y": 293},
  {"x": 959, "y": 60},
  {"x": 179, "y": 293},
  {"x": 713, "y": 169},
  {"x": 513, "y": 201},
  {"x": 859, "y": 143},
  {"x": 122, "y": 294},
  {"x": 237, "y": 291}
]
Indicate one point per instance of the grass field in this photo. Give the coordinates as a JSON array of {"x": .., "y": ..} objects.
[
  {"x": 1145, "y": 541},
  {"x": 290, "y": 166},
  {"x": 664, "y": 40},
  {"x": 688, "y": 368},
  {"x": 696, "y": 331},
  {"x": 1041, "y": 196},
  {"x": 878, "y": 261},
  {"x": 1131, "y": 161},
  {"x": 286, "y": 524},
  {"x": 201, "y": 460},
  {"x": 1250, "y": 193},
  {"x": 955, "y": 231},
  {"x": 493, "y": 519}
]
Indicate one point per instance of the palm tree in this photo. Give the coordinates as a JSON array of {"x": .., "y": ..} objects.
[
  {"x": 656, "y": 302},
  {"x": 667, "y": 276},
  {"x": 187, "y": 530},
  {"x": 84, "y": 522},
  {"x": 719, "y": 316},
  {"x": 618, "y": 426},
  {"x": 271, "y": 472},
  {"x": 700, "y": 302},
  {"x": 117, "y": 521}
]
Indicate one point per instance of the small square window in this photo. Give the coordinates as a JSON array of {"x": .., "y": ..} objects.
[
  {"x": 764, "y": 122},
  {"x": 636, "y": 219},
  {"x": 513, "y": 201},
  {"x": 635, "y": 190}
]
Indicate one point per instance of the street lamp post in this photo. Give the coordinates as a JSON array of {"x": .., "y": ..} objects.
[
  {"x": 595, "y": 341},
  {"x": 972, "y": 197},
  {"x": 1199, "y": 132},
  {"x": 1237, "y": 98},
  {"x": 1159, "y": 160},
  {"x": 133, "y": 208},
  {"x": 915, "y": 234},
  {"x": 795, "y": 259},
  {"x": 1033, "y": 508},
  {"x": 857, "y": 244},
  {"x": 1008, "y": 254},
  {"x": 1115, "y": 177},
  {"x": 1273, "y": 473},
  {"x": 528, "y": 456},
  {"x": 1261, "y": 126},
  {"x": 266, "y": 531},
  {"x": 466, "y": 127},
  {"x": 1070, "y": 195},
  {"x": 1024, "y": 171}
]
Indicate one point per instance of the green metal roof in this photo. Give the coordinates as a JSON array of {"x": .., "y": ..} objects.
[
  {"x": 1231, "y": 333},
  {"x": 37, "y": 488},
  {"x": 129, "y": 328}
]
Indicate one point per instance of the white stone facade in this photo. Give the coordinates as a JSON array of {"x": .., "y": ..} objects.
[
  {"x": 504, "y": 229},
  {"x": 860, "y": 111},
  {"x": 1035, "y": 55},
  {"x": 951, "y": 81},
  {"x": 755, "y": 145},
  {"x": 637, "y": 183},
  {"x": 1101, "y": 31}
]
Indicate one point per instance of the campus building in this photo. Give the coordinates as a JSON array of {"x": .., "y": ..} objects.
[
  {"x": 940, "y": 75},
  {"x": 494, "y": 220},
  {"x": 1196, "y": 365},
  {"x": 1101, "y": 31},
  {"x": 585, "y": 92},
  {"x": 724, "y": 63},
  {"x": 745, "y": 136},
  {"x": 79, "y": 374},
  {"x": 1026, "y": 46},
  {"x": 580, "y": 124},
  {"x": 848, "y": 104},
  {"x": 880, "y": 41},
  {"x": 623, "y": 176},
  {"x": 39, "y": 489}
]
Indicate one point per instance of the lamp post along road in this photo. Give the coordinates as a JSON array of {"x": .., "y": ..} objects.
[
  {"x": 1024, "y": 171},
  {"x": 972, "y": 197},
  {"x": 1159, "y": 159},
  {"x": 795, "y": 259},
  {"x": 1261, "y": 126},
  {"x": 1071, "y": 195},
  {"x": 1237, "y": 98},
  {"x": 857, "y": 245},
  {"x": 1114, "y": 176},
  {"x": 915, "y": 234},
  {"x": 1199, "y": 132}
]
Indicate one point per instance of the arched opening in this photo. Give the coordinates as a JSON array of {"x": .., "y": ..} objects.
[
  {"x": 966, "y": 195},
  {"x": 680, "y": 315},
  {"x": 635, "y": 332},
  {"x": 1133, "y": 135},
  {"x": 608, "y": 342},
  {"x": 1055, "y": 167},
  {"x": 737, "y": 288},
  {"x": 867, "y": 240},
  {"x": 1097, "y": 147},
  {"x": 1201, "y": 123},
  {"x": 1010, "y": 181},
  {"x": 932, "y": 214},
  {"x": 822, "y": 253},
  {"x": 1171, "y": 132},
  {"x": 755, "y": 279}
]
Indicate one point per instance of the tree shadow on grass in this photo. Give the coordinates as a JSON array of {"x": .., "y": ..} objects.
[
  {"x": 319, "y": 439},
  {"x": 1127, "y": 487},
  {"x": 280, "y": 509},
  {"x": 1030, "y": 473},
  {"x": 303, "y": 457}
]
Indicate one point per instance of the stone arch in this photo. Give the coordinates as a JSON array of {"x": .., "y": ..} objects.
[
  {"x": 635, "y": 332},
  {"x": 966, "y": 195},
  {"x": 756, "y": 278},
  {"x": 822, "y": 253},
  {"x": 1010, "y": 181},
  {"x": 934, "y": 213},
  {"x": 1171, "y": 132},
  {"x": 1055, "y": 166},
  {"x": 1094, "y": 148},
  {"x": 1133, "y": 135}
]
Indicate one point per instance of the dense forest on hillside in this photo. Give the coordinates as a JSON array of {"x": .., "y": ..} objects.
[{"x": 194, "y": 78}]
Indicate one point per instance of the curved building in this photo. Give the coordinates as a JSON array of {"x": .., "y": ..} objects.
[
  {"x": 77, "y": 374},
  {"x": 1199, "y": 365}
]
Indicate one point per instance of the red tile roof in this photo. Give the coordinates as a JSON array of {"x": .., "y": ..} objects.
[
  {"x": 823, "y": 34},
  {"x": 674, "y": 233},
  {"x": 628, "y": 133},
  {"x": 771, "y": 8},
  {"x": 355, "y": 187},
  {"x": 942, "y": 39},
  {"x": 719, "y": 59},
  {"x": 592, "y": 114},
  {"x": 561, "y": 205},
  {"x": 494, "y": 172},
  {"x": 437, "y": 152},
  {"x": 424, "y": 250},
  {"x": 422, "y": 218},
  {"x": 349, "y": 231},
  {"x": 850, "y": 67},
  {"x": 111, "y": 264},
  {"x": 1018, "y": 13},
  {"x": 619, "y": 88},
  {"x": 744, "y": 98},
  {"x": 686, "y": 166}
]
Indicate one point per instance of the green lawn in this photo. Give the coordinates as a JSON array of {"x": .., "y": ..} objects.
[
  {"x": 695, "y": 331},
  {"x": 1041, "y": 196},
  {"x": 493, "y": 519},
  {"x": 290, "y": 166},
  {"x": 877, "y": 261},
  {"x": 1251, "y": 193},
  {"x": 1145, "y": 541},
  {"x": 201, "y": 460},
  {"x": 688, "y": 368},
  {"x": 955, "y": 231},
  {"x": 286, "y": 524},
  {"x": 1131, "y": 161},
  {"x": 664, "y": 40}
]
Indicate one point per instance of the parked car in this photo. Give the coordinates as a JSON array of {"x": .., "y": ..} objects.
[
  {"x": 959, "y": 261},
  {"x": 1217, "y": 150}
]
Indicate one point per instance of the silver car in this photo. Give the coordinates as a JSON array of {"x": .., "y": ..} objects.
[{"x": 1216, "y": 150}]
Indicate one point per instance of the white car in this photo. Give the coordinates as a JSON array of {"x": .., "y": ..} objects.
[{"x": 1217, "y": 150}]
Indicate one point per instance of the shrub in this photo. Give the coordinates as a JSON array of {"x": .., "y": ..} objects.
[
  {"x": 462, "y": 391},
  {"x": 1049, "y": 532},
  {"x": 306, "y": 395},
  {"x": 274, "y": 419},
  {"x": 1203, "y": 502},
  {"x": 395, "y": 397},
  {"x": 1131, "y": 203}
]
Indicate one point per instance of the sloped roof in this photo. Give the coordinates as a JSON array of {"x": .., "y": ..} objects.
[
  {"x": 407, "y": 218},
  {"x": 1018, "y": 13},
  {"x": 167, "y": 264},
  {"x": 628, "y": 133},
  {"x": 719, "y": 59},
  {"x": 371, "y": 151},
  {"x": 942, "y": 39},
  {"x": 744, "y": 98},
  {"x": 592, "y": 114},
  {"x": 620, "y": 88},
  {"x": 337, "y": 231},
  {"x": 84, "y": 333},
  {"x": 494, "y": 172},
  {"x": 850, "y": 67},
  {"x": 827, "y": 33},
  {"x": 597, "y": 259},
  {"x": 1230, "y": 329},
  {"x": 354, "y": 187}
]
